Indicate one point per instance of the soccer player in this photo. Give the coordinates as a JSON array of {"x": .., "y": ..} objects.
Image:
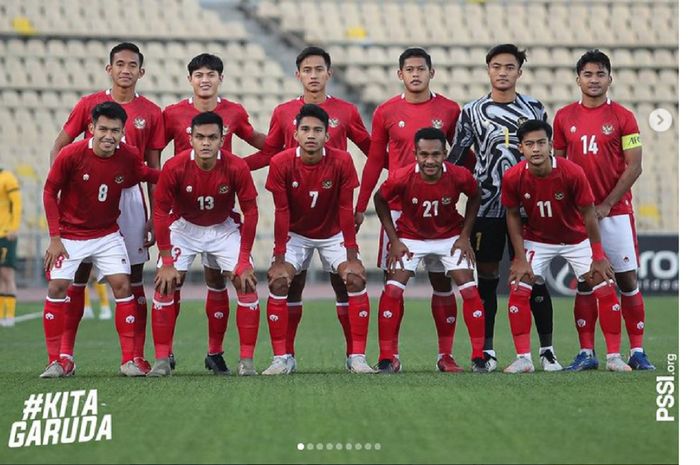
[
  {"x": 143, "y": 130},
  {"x": 603, "y": 137},
  {"x": 561, "y": 221},
  {"x": 200, "y": 187},
  {"x": 88, "y": 177},
  {"x": 312, "y": 186},
  {"x": 429, "y": 227},
  {"x": 10, "y": 218},
  {"x": 344, "y": 122},
  {"x": 394, "y": 125},
  {"x": 490, "y": 125}
]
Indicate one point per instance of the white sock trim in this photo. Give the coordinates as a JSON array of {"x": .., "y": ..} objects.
[
  {"x": 601, "y": 285},
  {"x": 523, "y": 285},
  {"x": 631, "y": 293},
  {"x": 79, "y": 284},
  {"x": 342, "y": 304},
  {"x": 278, "y": 297},
  {"x": 356, "y": 294},
  {"x": 137, "y": 284},
  {"x": 248, "y": 304},
  {"x": 211, "y": 289},
  {"x": 295, "y": 304},
  {"x": 467, "y": 285},
  {"x": 391, "y": 282},
  {"x": 163, "y": 304},
  {"x": 49, "y": 299},
  {"x": 125, "y": 299},
  {"x": 442, "y": 294}
]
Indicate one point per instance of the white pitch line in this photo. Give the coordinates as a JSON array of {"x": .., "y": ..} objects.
[{"x": 28, "y": 316}]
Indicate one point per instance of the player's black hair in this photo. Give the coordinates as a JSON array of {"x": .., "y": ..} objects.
[
  {"x": 520, "y": 55},
  {"x": 126, "y": 46},
  {"x": 206, "y": 60},
  {"x": 533, "y": 125},
  {"x": 430, "y": 133},
  {"x": 415, "y": 52},
  {"x": 593, "y": 56},
  {"x": 110, "y": 110},
  {"x": 208, "y": 117},
  {"x": 314, "y": 111},
  {"x": 312, "y": 52}
]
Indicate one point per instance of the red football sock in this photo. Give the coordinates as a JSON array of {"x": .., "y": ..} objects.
[
  {"x": 390, "y": 304},
  {"x": 358, "y": 313},
  {"x": 395, "y": 339},
  {"x": 248, "y": 323},
  {"x": 519, "y": 314},
  {"x": 124, "y": 320},
  {"x": 585, "y": 316},
  {"x": 341, "y": 309},
  {"x": 75, "y": 306},
  {"x": 217, "y": 309},
  {"x": 633, "y": 313},
  {"x": 610, "y": 318},
  {"x": 141, "y": 319},
  {"x": 473, "y": 313},
  {"x": 54, "y": 311},
  {"x": 176, "y": 303},
  {"x": 277, "y": 321},
  {"x": 162, "y": 324},
  {"x": 444, "y": 307},
  {"x": 294, "y": 311}
]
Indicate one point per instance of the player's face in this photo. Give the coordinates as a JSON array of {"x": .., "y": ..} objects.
[
  {"x": 125, "y": 69},
  {"x": 594, "y": 80},
  {"x": 416, "y": 74},
  {"x": 206, "y": 140},
  {"x": 313, "y": 74},
  {"x": 311, "y": 134},
  {"x": 536, "y": 147},
  {"x": 430, "y": 155},
  {"x": 504, "y": 71},
  {"x": 205, "y": 82},
  {"x": 106, "y": 134}
]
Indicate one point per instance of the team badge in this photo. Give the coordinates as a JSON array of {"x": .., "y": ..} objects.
[
  {"x": 188, "y": 130},
  {"x": 226, "y": 130},
  {"x": 572, "y": 129},
  {"x": 559, "y": 195},
  {"x": 414, "y": 201},
  {"x": 401, "y": 124},
  {"x": 527, "y": 196},
  {"x": 437, "y": 123},
  {"x": 607, "y": 129},
  {"x": 295, "y": 184},
  {"x": 188, "y": 188},
  {"x": 119, "y": 179},
  {"x": 140, "y": 123},
  {"x": 446, "y": 200},
  {"x": 333, "y": 122},
  {"x": 223, "y": 189},
  {"x": 86, "y": 177},
  {"x": 327, "y": 184},
  {"x": 521, "y": 120}
]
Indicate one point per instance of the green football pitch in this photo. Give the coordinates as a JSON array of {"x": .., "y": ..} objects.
[{"x": 418, "y": 416}]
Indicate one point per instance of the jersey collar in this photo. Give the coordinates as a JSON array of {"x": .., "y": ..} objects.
[
  {"x": 298, "y": 152},
  {"x": 218, "y": 155},
  {"x": 191, "y": 100},
  {"x": 109, "y": 92},
  {"x": 432, "y": 95},
  {"x": 608, "y": 102},
  {"x": 90, "y": 143},
  {"x": 444, "y": 168},
  {"x": 554, "y": 162}
]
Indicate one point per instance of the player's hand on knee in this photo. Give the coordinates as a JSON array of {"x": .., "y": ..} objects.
[
  {"x": 465, "y": 251},
  {"x": 246, "y": 275},
  {"x": 279, "y": 271},
  {"x": 397, "y": 251},
  {"x": 352, "y": 266},
  {"x": 520, "y": 270},
  {"x": 54, "y": 252},
  {"x": 148, "y": 237},
  {"x": 167, "y": 279},
  {"x": 601, "y": 270}
]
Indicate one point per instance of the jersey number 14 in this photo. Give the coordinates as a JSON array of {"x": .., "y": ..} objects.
[{"x": 589, "y": 146}]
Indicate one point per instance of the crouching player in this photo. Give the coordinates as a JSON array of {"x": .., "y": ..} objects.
[
  {"x": 312, "y": 186},
  {"x": 561, "y": 221},
  {"x": 191, "y": 215},
  {"x": 81, "y": 199},
  {"x": 429, "y": 227}
]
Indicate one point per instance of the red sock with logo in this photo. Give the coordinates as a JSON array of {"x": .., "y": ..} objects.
[
  {"x": 277, "y": 317},
  {"x": 395, "y": 340},
  {"x": 358, "y": 313},
  {"x": 585, "y": 316},
  {"x": 74, "y": 308},
  {"x": 125, "y": 322},
  {"x": 389, "y": 314},
  {"x": 217, "y": 309},
  {"x": 473, "y": 313},
  {"x": 141, "y": 319},
  {"x": 248, "y": 323},
  {"x": 341, "y": 310},
  {"x": 176, "y": 304},
  {"x": 444, "y": 308},
  {"x": 610, "y": 318},
  {"x": 162, "y": 324},
  {"x": 294, "y": 312},
  {"x": 54, "y": 311},
  {"x": 520, "y": 316},
  {"x": 633, "y": 312}
]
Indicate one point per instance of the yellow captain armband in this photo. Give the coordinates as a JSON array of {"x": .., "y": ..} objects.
[{"x": 631, "y": 141}]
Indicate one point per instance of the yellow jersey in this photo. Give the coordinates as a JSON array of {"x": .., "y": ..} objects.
[{"x": 10, "y": 203}]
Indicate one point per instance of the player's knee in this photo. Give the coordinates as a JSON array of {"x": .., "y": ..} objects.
[
  {"x": 584, "y": 288},
  {"x": 440, "y": 282},
  {"x": 120, "y": 286},
  {"x": 469, "y": 291},
  {"x": 394, "y": 289},
  {"x": 136, "y": 275},
  {"x": 488, "y": 270},
  {"x": 214, "y": 278},
  {"x": 354, "y": 283},
  {"x": 627, "y": 281},
  {"x": 57, "y": 288},
  {"x": 279, "y": 287}
]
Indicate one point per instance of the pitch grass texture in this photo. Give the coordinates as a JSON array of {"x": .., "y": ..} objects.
[{"x": 418, "y": 416}]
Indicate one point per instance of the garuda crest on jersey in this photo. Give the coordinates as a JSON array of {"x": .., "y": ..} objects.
[
  {"x": 119, "y": 179},
  {"x": 223, "y": 189},
  {"x": 333, "y": 122},
  {"x": 327, "y": 184},
  {"x": 226, "y": 130},
  {"x": 608, "y": 129},
  {"x": 437, "y": 123},
  {"x": 446, "y": 200},
  {"x": 559, "y": 195},
  {"x": 140, "y": 122}
]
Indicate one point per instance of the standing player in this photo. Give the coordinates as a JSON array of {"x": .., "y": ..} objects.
[
  {"x": 200, "y": 187},
  {"x": 143, "y": 130},
  {"x": 489, "y": 124},
  {"x": 429, "y": 227},
  {"x": 561, "y": 221},
  {"x": 10, "y": 219},
  {"x": 344, "y": 122},
  {"x": 309, "y": 183},
  {"x": 88, "y": 177},
  {"x": 394, "y": 125},
  {"x": 603, "y": 137}
]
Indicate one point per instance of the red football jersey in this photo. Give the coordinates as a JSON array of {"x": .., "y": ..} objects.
[
  {"x": 551, "y": 203},
  {"x": 344, "y": 122},
  {"x": 595, "y": 138},
  {"x": 312, "y": 191},
  {"x": 429, "y": 210},
  {"x": 90, "y": 189},
  {"x": 394, "y": 125},
  {"x": 144, "y": 124},
  {"x": 178, "y": 118}
]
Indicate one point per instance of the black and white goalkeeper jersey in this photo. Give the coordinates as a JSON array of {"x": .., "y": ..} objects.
[{"x": 491, "y": 127}]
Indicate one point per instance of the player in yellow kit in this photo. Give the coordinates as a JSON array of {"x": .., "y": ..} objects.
[{"x": 10, "y": 215}]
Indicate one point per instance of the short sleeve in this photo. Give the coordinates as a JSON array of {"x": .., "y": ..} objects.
[
  {"x": 558, "y": 137},
  {"x": 391, "y": 188},
  {"x": 244, "y": 129},
  {"x": 78, "y": 118},
  {"x": 509, "y": 194},
  {"x": 275, "y": 178},
  {"x": 468, "y": 183},
  {"x": 156, "y": 140},
  {"x": 629, "y": 130}
]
